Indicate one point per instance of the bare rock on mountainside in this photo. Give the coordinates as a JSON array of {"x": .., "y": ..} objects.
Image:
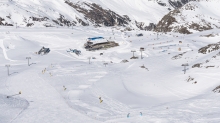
[
  {"x": 124, "y": 61},
  {"x": 178, "y": 3},
  {"x": 197, "y": 65},
  {"x": 209, "y": 48},
  {"x": 166, "y": 24},
  {"x": 209, "y": 35},
  {"x": 179, "y": 56},
  {"x": 174, "y": 14},
  {"x": 4, "y": 23},
  {"x": 100, "y": 16},
  {"x": 189, "y": 79},
  {"x": 95, "y": 13},
  {"x": 63, "y": 21},
  {"x": 217, "y": 89},
  {"x": 180, "y": 21}
]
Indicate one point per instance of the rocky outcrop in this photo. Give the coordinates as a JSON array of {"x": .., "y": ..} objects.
[
  {"x": 95, "y": 13},
  {"x": 197, "y": 65},
  {"x": 178, "y": 3},
  {"x": 180, "y": 21},
  {"x": 196, "y": 26},
  {"x": 4, "y": 23},
  {"x": 150, "y": 27},
  {"x": 162, "y": 4},
  {"x": 209, "y": 48},
  {"x": 166, "y": 24},
  {"x": 39, "y": 19},
  {"x": 90, "y": 13},
  {"x": 98, "y": 15},
  {"x": 217, "y": 89},
  {"x": 62, "y": 21}
]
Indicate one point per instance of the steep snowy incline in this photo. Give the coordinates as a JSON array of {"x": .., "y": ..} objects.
[
  {"x": 35, "y": 12},
  {"x": 192, "y": 17},
  {"x": 41, "y": 13},
  {"x": 70, "y": 88},
  {"x": 139, "y": 10}
]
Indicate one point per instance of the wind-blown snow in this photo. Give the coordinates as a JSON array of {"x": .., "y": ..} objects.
[
  {"x": 158, "y": 91},
  {"x": 18, "y": 12},
  {"x": 63, "y": 87}
]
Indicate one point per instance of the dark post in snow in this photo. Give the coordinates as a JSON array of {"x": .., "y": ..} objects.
[
  {"x": 89, "y": 59},
  {"x": 185, "y": 65},
  {"x": 105, "y": 64},
  {"x": 8, "y": 68},
  {"x": 28, "y": 60},
  {"x": 141, "y": 49},
  {"x": 133, "y": 52}
]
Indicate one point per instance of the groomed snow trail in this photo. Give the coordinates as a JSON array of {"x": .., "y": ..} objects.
[
  {"x": 78, "y": 93},
  {"x": 4, "y": 50},
  {"x": 69, "y": 91},
  {"x": 46, "y": 104}
]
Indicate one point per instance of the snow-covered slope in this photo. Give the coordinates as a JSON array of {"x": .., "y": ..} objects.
[
  {"x": 193, "y": 17},
  {"x": 69, "y": 89},
  {"x": 108, "y": 85},
  {"x": 40, "y": 13}
]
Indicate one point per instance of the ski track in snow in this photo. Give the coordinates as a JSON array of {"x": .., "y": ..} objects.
[
  {"x": 70, "y": 88},
  {"x": 4, "y": 50}
]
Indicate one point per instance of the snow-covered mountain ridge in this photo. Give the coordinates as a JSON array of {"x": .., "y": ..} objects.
[
  {"x": 130, "y": 76},
  {"x": 43, "y": 13},
  {"x": 193, "y": 17}
]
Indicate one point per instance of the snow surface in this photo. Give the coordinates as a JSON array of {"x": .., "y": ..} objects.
[
  {"x": 20, "y": 11},
  {"x": 139, "y": 10},
  {"x": 70, "y": 88},
  {"x": 204, "y": 13}
]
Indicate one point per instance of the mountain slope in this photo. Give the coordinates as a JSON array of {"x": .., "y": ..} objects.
[
  {"x": 40, "y": 13},
  {"x": 192, "y": 17}
]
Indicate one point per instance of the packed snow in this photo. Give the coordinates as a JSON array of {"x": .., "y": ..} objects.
[
  {"x": 20, "y": 12},
  {"x": 122, "y": 84},
  {"x": 64, "y": 87}
]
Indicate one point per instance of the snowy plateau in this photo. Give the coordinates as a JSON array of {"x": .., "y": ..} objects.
[{"x": 111, "y": 61}]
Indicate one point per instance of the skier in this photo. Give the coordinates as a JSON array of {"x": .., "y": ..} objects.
[
  {"x": 100, "y": 99},
  {"x": 128, "y": 115},
  {"x": 64, "y": 88}
]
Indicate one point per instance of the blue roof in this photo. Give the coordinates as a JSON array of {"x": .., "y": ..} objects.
[{"x": 94, "y": 38}]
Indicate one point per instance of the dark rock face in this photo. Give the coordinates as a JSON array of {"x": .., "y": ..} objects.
[
  {"x": 178, "y": 3},
  {"x": 169, "y": 23},
  {"x": 162, "y": 4},
  {"x": 29, "y": 24},
  {"x": 217, "y": 89},
  {"x": 39, "y": 19},
  {"x": 210, "y": 48},
  {"x": 197, "y": 65},
  {"x": 179, "y": 56},
  {"x": 1, "y": 19},
  {"x": 140, "y": 25},
  {"x": 165, "y": 24},
  {"x": 99, "y": 16},
  {"x": 150, "y": 27},
  {"x": 200, "y": 28},
  {"x": 175, "y": 3},
  {"x": 4, "y": 24},
  {"x": 62, "y": 21}
]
